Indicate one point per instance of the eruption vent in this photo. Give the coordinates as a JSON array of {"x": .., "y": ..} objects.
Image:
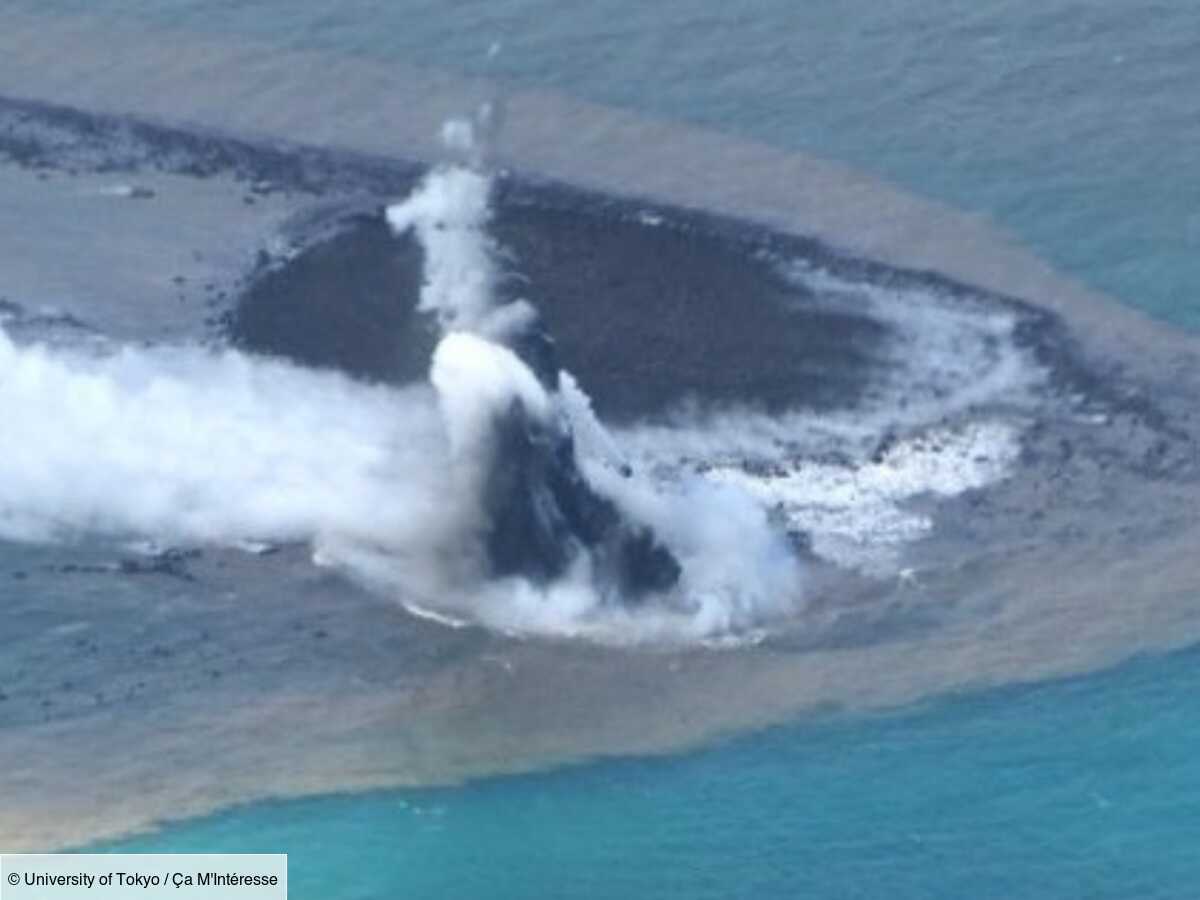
[{"x": 510, "y": 428}]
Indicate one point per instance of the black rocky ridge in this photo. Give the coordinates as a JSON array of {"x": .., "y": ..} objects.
[
  {"x": 541, "y": 511},
  {"x": 542, "y": 514},
  {"x": 725, "y": 329},
  {"x": 348, "y": 301}
]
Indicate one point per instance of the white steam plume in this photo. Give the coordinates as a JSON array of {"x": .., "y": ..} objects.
[
  {"x": 182, "y": 444},
  {"x": 476, "y": 380},
  {"x": 449, "y": 213},
  {"x": 737, "y": 569}
]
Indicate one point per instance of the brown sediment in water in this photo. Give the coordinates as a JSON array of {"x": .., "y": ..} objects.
[
  {"x": 242, "y": 87},
  {"x": 130, "y": 700},
  {"x": 429, "y": 705}
]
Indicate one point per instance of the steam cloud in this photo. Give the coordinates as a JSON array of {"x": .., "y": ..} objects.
[
  {"x": 735, "y": 568},
  {"x": 186, "y": 445}
]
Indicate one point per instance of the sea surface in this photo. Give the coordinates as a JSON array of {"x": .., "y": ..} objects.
[
  {"x": 1073, "y": 125},
  {"x": 1082, "y": 788}
]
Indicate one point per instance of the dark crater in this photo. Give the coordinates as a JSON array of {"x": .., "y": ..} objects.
[
  {"x": 649, "y": 304},
  {"x": 645, "y": 315},
  {"x": 348, "y": 302}
]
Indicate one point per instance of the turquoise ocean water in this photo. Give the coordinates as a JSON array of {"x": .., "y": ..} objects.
[
  {"x": 1084, "y": 788},
  {"x": 1075, "y": 125}
]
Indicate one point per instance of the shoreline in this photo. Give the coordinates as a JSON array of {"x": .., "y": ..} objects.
[
  {"x": 229, "y": 87},
  {"x": 385, "y": 700}
]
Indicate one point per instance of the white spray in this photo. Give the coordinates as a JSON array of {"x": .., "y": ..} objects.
[
  {"x": 737, "y": 570},
  {"x": 185, "y": 445},
  {"x": 181, "y": 444}
]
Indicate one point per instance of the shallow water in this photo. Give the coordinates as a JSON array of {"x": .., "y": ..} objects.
[
  {"x": 1077, "y": 788},
  {"x": 1072, "y": 126}
]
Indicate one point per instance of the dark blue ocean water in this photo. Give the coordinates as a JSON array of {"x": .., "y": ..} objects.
[{"x": 1074, "y": 124}]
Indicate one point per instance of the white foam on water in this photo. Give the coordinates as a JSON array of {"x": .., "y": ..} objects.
[
  {"x": 700, "y": 481},
  {"x": 944, "y": 417},
  {"x": 945, "y": 354},
  {"x": 737, "y": 570},
  {"x": 858, "y": 516},
  {"x": 179, "y": 444}
]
